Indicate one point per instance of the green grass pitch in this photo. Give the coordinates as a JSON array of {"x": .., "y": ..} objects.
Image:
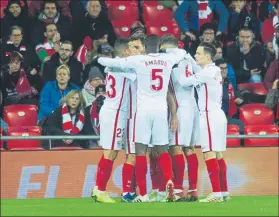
[{"x": 238, "y": 206}]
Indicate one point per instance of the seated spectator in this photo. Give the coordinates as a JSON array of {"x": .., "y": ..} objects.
[
  {"x": 93, "y": 23},
  {"x": 48, "y": 15},
  {"x": 16, "y": 14},
  {"x": 17, "y": 44},
  {"x": 102, "y": 51},
  {"x": 94, "y": 109},
  {"x": 272, "y": 74},
  {"x": 69, "y": 118},
  {"x": 219, "y": 56},
  {"x": 247, "y": 58},
  {"x": 17, "y": 85},
  {"x": 51, "y": 44},
  {"x": 272, "y": 98},
  {"x": 198, "y": 13},
  {"x": 242, "y": 16},
  {"x": 35, "y": 8},
  {"x": 95, "y": 78},
  {"x": 228, "y": 100},
  {"x": 64, "y": 56},
  {"x": 54, "y": 91},
  {"x": 88, "y": 50}
]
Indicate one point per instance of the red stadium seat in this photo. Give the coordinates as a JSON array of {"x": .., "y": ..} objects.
[
  {"x": 261, "y": 130},
  {"x": 233, "y": 130},
  {"x": 267, "y": 30},
  {"x": 256, "y": 114},
  {"x": 3, "y": 4},
  {"x": 256, "y": 88},
  {"x": 155, "y": 13},
  {"x": 67, "y": 148},
  {"x": 169, "y": 27},
  {"x": 122, "y": 28},
  {"x": 24, "y": 144},
  {"x": 123, "y": 10},
  {"x": 21, "y": 115}
]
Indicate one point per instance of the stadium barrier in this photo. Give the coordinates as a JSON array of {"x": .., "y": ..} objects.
[{"x": 71, "y": 174}]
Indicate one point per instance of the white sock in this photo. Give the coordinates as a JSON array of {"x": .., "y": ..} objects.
[
  {"x": 124, "y": 193},
  {"x": 192, "y": 190},
  {"x": 217, "y": 194},
  {"x": 132, "y": 193},
  {"x": 225, "y": 194}
]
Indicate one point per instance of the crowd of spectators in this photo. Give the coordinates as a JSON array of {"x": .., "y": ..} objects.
[{"x": 49, "y": 49}]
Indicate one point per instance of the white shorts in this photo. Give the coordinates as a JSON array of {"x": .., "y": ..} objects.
[
  {"x": 213, "y": 130},
  {"x": 129, "y": 145},
  {"x": 187, "y": 134},
  {"x": 151, "y": 128},
  {"x": 112, "y": 129}
]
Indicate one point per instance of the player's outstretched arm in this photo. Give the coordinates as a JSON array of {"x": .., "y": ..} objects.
[
  {"x": 121, "y": 63},
  {"x": 176, "y": 54}
]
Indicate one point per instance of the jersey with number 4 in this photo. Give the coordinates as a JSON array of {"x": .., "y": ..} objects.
[
  {"x": 153, "y": 74},
  {"x": 184, "y": 96},
  {"x": 117, "y": 90}
]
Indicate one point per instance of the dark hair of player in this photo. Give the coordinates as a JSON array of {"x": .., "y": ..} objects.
[
  {"x": 209, "y": 49},
  {"x": 169, "y": 39},
  {"x": 152, "y": 43},
  {"x": 120, "y": 45}
]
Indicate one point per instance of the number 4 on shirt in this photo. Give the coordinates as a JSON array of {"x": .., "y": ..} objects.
[{"x": 157, "y": 78}]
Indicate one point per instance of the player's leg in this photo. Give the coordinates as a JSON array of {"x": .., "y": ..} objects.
[
  {"x": 223, "y": 176},
  {"x": 192, "y": 168},
  {"x": 142, "y": 137},
  {"x": 213, "y": 141},
  {"x": 111, "y": 139}
]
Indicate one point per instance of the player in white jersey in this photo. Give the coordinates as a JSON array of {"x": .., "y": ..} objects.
[
  {"x": 114, "y": 129},
  {"x": 153, "y": 74},
  {"x": 185, "y": 138},
  {"x": 213, "y": 122}
]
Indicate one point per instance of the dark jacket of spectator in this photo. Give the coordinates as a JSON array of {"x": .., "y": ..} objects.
[
  {"x": 255, "y": 59},
  {"x": 35, "y": 8},
  {"x": 19, "y": 87},
  {"x": 54, "y": 125},
  {"x": 63, "y": 25},
  {"x": 29, "y": 56},
  {"x": 246, "y": 18},
  {"x": 49, "y": 71},
  {"x": 10, "y": 20},
  {"x": 50, "y": 97},
  {"x": 272, "y": 74},
  {"x": 192, "y": 8}
]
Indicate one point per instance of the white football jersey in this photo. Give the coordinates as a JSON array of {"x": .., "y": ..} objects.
[
  {"x": 208, "y": 83},
  {"x": 117, "y": 90},
  {"x": 184, "y": 96},
  {"x": 153, "y": 74},
  {"x": 132, "y": 99}
]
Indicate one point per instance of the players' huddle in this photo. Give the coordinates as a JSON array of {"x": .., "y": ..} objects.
[{"x": 162, "y": 102}]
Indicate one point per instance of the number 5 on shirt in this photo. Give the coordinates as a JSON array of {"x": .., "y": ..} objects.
[{"x": 157, "y": 77}]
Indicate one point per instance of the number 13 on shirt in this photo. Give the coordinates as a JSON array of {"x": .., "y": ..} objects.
[{"x": 157, "y": 79}]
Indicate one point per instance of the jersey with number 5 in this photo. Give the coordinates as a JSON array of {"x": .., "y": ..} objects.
[{"x": 117, "y": 90}]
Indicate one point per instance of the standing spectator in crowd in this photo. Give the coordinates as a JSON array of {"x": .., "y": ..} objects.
[
  {"x": 88, "y": 50},
  {"x": 17, "y": 85},
  {"x": 35, "y": 8},
  {"x": 16, "y": 43},
  {"x": 100, "y": 93},
  {"x": 64, "y": 56},
  {"x": 95, "y": 22},
  {"x": 272, "y": 98},
  {"x": 48, "y": 15},
  {"x": 229, "y": 99},
  {"x": 170, "y": 4},
  {"x": 242, "y": 16},
  {"x": 54, "y": 91},
  {"x": 272, "y": 74},
  {"x": 104, "y": 50},
  {"x": 51, "y": 44},
  {"x": 247, "y": 57},
  {"x": 200, "y": 12},
  {"x": 69, "y": 118},
  {"x": 95, "y": 78},
  {"x": 16, "y": 14},
  {"x": 219, "y": 56}
]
